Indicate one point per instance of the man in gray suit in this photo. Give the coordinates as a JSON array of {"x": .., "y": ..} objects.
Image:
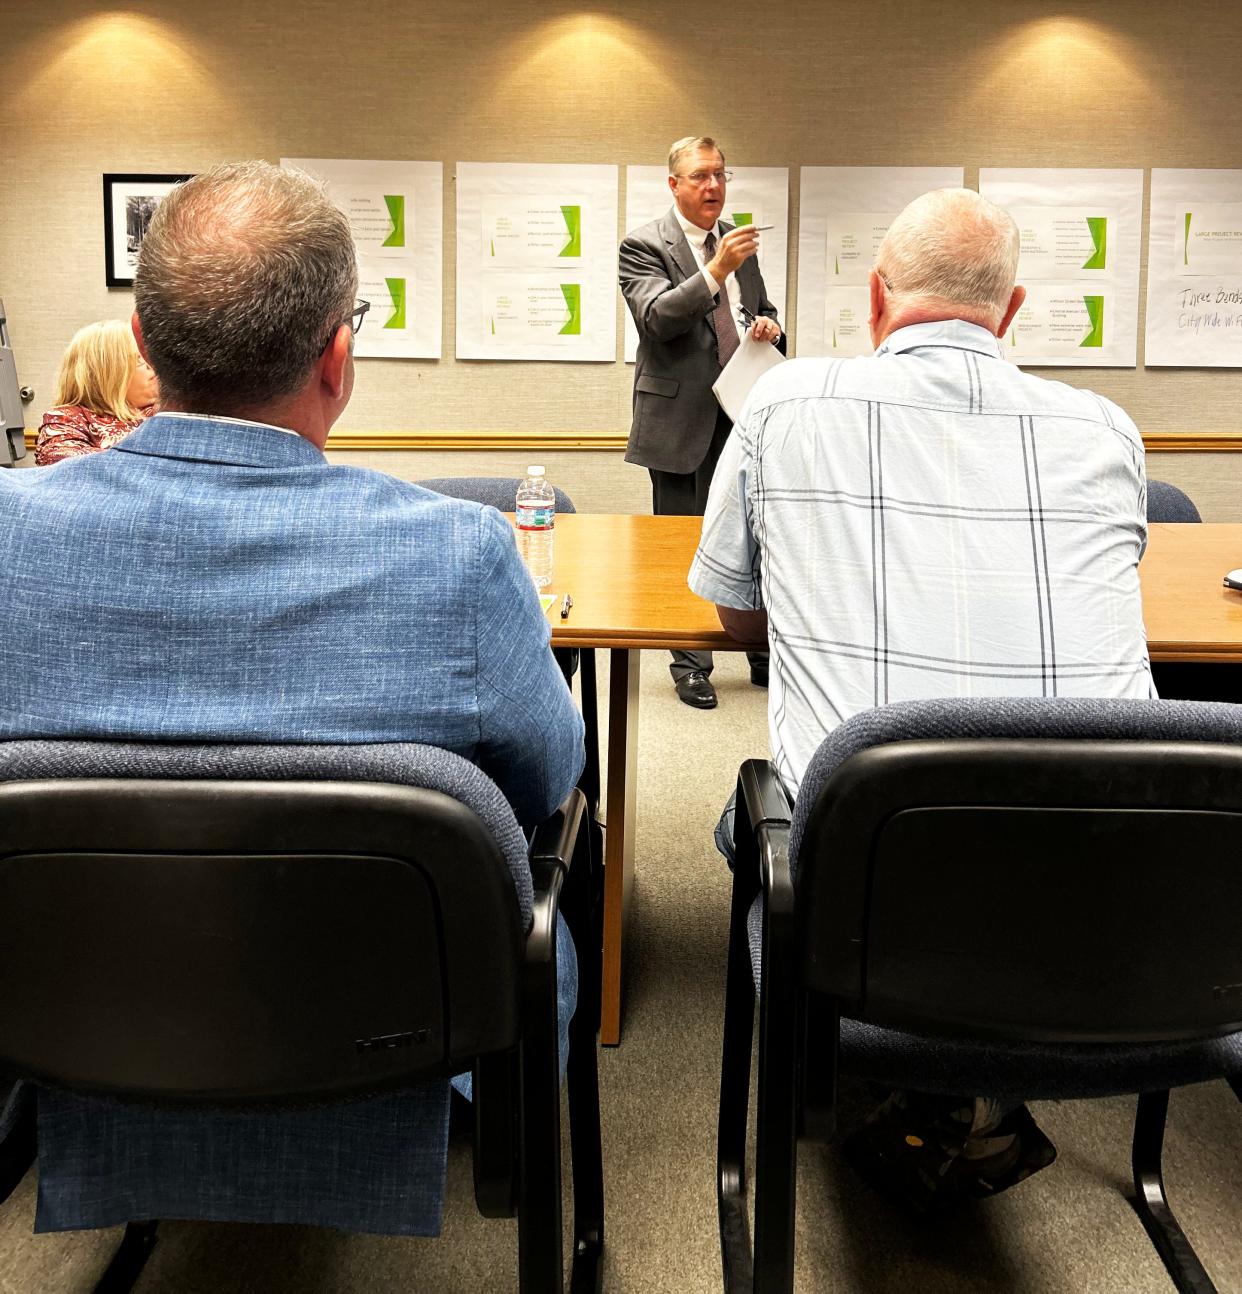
[{"x": 693, "y": 285}]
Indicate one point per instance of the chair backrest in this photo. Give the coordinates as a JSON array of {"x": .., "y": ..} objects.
[
  {"x": 220, "y": 923},
  {"x": 1166, "y": 502},
  {"x": 496, "y": 491},
  {"x": 1060, "y": 870}
]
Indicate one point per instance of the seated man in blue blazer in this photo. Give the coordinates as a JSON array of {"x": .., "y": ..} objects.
[{"x": 212, "y": 577}]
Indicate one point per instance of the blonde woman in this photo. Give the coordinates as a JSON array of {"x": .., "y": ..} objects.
[{"x": 103, "y": 391}]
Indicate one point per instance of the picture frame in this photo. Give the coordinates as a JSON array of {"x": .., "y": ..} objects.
[{"x": 129, "y": 202}]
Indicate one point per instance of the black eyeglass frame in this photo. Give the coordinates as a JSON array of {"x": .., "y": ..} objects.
[{"x": 353, "y": 319}]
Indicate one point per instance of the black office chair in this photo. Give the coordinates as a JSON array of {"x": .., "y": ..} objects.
[
  {"x": 275, "y": 925},
  {"x": 1098, "y": 839},
  {"x": 1166, "y": 502},
  {"x": 498, "y": 492}
]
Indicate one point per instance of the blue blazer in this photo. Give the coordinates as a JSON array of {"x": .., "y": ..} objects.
[{"x": 219, "y": 580}]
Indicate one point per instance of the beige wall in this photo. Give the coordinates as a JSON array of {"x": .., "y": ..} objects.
[{"x": 1125, "y": 83}]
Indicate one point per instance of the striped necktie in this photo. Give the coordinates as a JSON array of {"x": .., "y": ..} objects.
[{"x": 722, "y": 318}]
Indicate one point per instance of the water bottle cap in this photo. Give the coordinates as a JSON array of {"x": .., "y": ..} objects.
[{"x": 534, "y": 471}]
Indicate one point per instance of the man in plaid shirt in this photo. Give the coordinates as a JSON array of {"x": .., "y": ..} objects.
[{"x": 930, "y": 521}]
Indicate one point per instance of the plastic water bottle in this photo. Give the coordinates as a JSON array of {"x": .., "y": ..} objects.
[{"x": 536, "y": 516}]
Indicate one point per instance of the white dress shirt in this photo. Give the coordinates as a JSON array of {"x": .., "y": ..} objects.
[{"x": 696, "y": 237}]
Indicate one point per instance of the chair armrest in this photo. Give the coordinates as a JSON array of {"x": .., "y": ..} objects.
[
  {"x": 554, "y": 840},
  {"x": 761, "y": 792},
  {"x": 498, "y": 1079},
  {"x": 765, "y": 808},
  {"x": 552, "y": 850},
  {"x": 768, "y": 810},
  {"x": 551, "y": 856}
]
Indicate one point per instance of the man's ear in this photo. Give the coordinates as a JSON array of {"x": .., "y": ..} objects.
[
  {"x": 335, "y": 360},
  {"x": 136, "y": 324},
  {"x": 1015, "y": 304},
  {"x": 875, "y": 286}
]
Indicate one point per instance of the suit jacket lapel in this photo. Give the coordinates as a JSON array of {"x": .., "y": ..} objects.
[{"x": 679, "y": 248}]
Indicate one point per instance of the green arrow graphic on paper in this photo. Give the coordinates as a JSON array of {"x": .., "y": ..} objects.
[
  {"x": 836, "y": 264},
  {"x": 573, "y": 226},
  {"x": 1095, "y": 312},
  {"x": 395, "y": 202},
  {"x": 741, "y": 218},
  {"x": 1098, "y": 225},
  {"x": 396, "y": 289},
  {"x": 834, "y": 339},
  {"x": 572, "y": 292},
  {"x": 1186, "y": 241}
]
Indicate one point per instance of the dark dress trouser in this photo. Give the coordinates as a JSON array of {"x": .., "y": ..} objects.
[{"x": 684, "y": 494}]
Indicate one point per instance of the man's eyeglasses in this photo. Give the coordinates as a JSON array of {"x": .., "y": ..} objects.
[
  {"x": 353, "y": 319},
  {"x": 700, "y": 178},
  {"x": 356, "y": 316}
]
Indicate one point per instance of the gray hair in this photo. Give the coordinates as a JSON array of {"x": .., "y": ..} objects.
[
  {"x": 243, "y": 276},
  {"x": 691, "y": 144},
  {"x": 952, "y": 247}
]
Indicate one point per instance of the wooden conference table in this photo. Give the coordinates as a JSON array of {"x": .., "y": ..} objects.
[{"x": 627, "y": 576}]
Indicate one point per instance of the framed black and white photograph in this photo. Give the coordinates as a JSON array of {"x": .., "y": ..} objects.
[{"x": 129, "y": 204}]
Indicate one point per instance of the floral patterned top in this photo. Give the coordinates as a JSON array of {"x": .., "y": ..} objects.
[{"x": 72, "y": 430}]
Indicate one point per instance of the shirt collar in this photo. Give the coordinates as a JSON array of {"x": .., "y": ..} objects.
[
  {"x": 695, "y": 236},
  {"x": 234, "y": 441},
  {"x": 956, "y": 333},
  {"x": 239, "y": 422}
]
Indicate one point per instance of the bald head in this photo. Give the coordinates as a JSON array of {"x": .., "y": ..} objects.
[{"x": 950, "y": 255}]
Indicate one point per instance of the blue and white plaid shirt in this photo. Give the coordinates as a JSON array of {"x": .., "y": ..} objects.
[{"x": 928, "y": 522}]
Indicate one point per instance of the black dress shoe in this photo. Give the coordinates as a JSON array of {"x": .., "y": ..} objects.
[
  {"x": 695, "y": 689},
  {"x": 759, "y": 674}
]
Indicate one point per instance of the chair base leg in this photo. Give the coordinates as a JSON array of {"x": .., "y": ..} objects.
[
  {"x": 1152, "y": 1205},
  {"x": 736, "y": 1251},
  {"x": 585, "y": 1154},
  {"x": 735, "y": 1245},
  {"x": 19, "y": 1148},
  {"x": 128, "y": 1261},
  {"x": 586, "y": 1274}
]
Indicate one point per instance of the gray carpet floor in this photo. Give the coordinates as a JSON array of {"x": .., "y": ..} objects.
[{"x": 1068, "y": 1229}]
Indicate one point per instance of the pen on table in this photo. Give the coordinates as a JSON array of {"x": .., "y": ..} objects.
[{"x": 566, "y": 602}]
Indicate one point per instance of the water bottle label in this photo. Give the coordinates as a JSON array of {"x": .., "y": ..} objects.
[{"x": 536, "y": 518}]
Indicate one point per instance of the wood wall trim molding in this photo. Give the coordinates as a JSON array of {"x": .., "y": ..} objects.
[
  {"x": 1209, "y": 442},
  {"x": 475, "y": 440},
  {"x": 1214, "y": 442},
  {"x": 1222, "y": 442}
]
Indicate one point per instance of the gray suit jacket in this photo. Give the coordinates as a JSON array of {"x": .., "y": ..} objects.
[{"x": 674, "y": 408}]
